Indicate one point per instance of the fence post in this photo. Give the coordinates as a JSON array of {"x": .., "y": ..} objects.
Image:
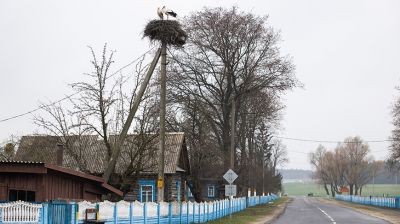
[
  {"x": 208, "y": 211},
  {"x": 41, "y": 214},
  {"x": 194, "y": 211},
  {"x": 187, "y": 212},
  {"x": 204, "y": 211},
  {"x": 180, "y": 212},
  {"x": 145, "y": 213},
  {"x": 45, "y": 212},
  {"x": 158, "y": 213},
  {"x": 130, "y": 213},
  {"x": 73, "y": 212},
  {"x": 397, "y": 202},
  {"x": 169, "y": 212},
  {"x": 115, "y": 213}
]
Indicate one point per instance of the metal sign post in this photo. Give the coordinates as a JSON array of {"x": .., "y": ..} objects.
[{"x": 230, "y": 190}]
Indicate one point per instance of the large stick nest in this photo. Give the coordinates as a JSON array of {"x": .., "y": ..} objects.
[{"x": 167, "y": 31}]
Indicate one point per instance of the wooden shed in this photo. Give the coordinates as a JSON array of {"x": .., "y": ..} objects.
[{"x": 41, "y": 182}]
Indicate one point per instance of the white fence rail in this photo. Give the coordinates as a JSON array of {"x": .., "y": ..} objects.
[
  {"x": 390, "y": 202},
  {"x": 20, "y": 212},
  {"x": 126, "y": 212}
]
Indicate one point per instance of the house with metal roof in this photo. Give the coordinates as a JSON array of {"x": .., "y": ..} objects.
[{"x": 137, "y": 166}]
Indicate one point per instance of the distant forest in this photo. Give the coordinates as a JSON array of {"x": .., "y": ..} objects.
[{"x": 306, "y": 175}]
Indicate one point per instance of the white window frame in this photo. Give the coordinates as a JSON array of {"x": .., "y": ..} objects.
[
  {"x": 146, "y": 195},
  {"x": 211, "y": 187}
]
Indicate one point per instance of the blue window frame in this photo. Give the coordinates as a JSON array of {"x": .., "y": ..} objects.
[
  {"x": 147, "y": 190},
  {"x": 211, "y": 191}
]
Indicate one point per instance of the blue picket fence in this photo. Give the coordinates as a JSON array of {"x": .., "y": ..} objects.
[
  {"x": 390, "y": 202},
  {"x": 136, "y": 212}
]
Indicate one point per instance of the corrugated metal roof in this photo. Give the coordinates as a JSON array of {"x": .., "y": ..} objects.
[
  {"x": 63, "y": 170},
  {"x": 26, "y": 162},
  {"x": 88, "y": 154}
]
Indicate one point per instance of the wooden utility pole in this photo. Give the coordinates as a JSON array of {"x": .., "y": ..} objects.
[
  {"x": 128, "y": 122},
  {"x": 161, "y": 182},
  {"x": 232, "y": 151}
]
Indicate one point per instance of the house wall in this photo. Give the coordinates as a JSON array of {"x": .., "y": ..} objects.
[
  {"x": 20, "y": 181},
  {"x": 204, "y": 189},
  {"x": 170, "y": 188},
  {"x": 59, "y": 186},
  {"x": 51, "y": 186},
  {"x": 133, "y": 194}
]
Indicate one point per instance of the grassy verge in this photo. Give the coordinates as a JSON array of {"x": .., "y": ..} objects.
[{"x": 251, "y": 214}]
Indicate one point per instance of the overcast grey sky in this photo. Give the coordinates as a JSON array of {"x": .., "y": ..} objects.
[{"x": 346, "y": 54}]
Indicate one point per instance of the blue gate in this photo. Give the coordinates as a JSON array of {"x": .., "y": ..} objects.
[{"x": 59, "y": 212}]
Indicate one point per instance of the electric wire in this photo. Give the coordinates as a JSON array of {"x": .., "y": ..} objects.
[
  {"x": 73, "y": 94},
  {"x": 329, "y": 141}
]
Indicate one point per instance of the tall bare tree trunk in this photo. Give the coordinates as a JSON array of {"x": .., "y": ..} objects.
[{"x": 232, "y": 149}]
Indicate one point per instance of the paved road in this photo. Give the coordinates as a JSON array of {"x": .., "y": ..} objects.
[{"x": 304, "y": 210}]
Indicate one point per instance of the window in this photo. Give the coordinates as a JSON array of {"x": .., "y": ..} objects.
[
  {"x": 190, "y": 195},
  {"x": 211, "y": 191},
  {"x": 22, "y": 195},
  {"x": 147, "y": 193},
  {"x": 12, "y": 195},
  {"x": 147, "y": 190},
  {"x": 30, "y": 196}
]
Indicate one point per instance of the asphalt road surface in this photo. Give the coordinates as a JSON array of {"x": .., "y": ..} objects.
[{"x": 304, "y": 210}]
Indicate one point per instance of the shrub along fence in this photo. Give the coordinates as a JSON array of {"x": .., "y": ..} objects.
[
  {"x": 390, "y": 202},
  {"x": 126, "y": 212}
]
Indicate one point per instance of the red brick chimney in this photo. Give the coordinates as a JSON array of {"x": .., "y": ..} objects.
[{"x": 59, "y": 154}]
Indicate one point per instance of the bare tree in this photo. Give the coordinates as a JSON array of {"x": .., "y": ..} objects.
[
  {"x": 348, "y": 165},
  {"x": 8, "y": 148},
  {"x": 101, "y": 109},
  {"x": 395, "y": 143},
  {"x": 229, "y": 56},
  {"x": 278, "y": 155}
]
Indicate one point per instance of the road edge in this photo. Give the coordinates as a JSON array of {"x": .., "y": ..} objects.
[
  {"x": 275, "y": 215},
  {"x": 361, "y": 210}
]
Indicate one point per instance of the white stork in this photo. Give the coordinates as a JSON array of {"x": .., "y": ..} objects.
[{"x": 164, "y": 11}]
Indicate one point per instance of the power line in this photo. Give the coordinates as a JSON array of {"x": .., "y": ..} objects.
[
  {"x": 73, "y": 94},
  {"x": 329, "y": 141},
  {"x": 292, "y": 151}
]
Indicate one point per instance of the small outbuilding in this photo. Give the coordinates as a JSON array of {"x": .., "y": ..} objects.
[{"x": 41, "y": 182}]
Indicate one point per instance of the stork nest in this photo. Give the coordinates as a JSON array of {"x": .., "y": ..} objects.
[{"x": 167, "y": 31}]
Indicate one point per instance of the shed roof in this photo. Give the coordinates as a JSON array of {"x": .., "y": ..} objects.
[
  {"x": 88, "y": 154},
  {"x": 42, "y": 168}
]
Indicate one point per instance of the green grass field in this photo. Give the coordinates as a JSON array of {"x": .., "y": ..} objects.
[{"x": 318, "y": 190}]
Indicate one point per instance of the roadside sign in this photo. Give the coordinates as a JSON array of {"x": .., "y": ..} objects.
[
  {"x": 230, "y": 176},
  {"x": 230, "y": 190},
  {"x": 160, "y": 183}
]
